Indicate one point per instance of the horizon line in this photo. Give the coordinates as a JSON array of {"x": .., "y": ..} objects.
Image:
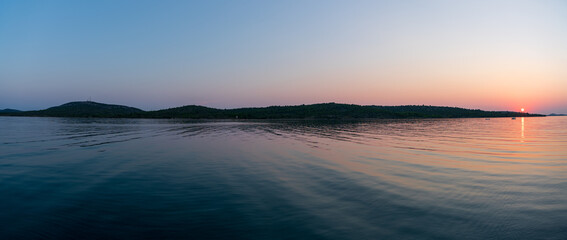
[{"x": 89, "y": 100}]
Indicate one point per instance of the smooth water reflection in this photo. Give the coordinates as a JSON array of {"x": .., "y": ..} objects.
[{"x": 383, "y": 179}]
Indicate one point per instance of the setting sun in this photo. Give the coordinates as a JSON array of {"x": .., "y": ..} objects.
[{"x": 522, "y": 109}]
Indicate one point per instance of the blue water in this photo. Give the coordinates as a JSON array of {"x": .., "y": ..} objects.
[{"x": 385, "y": 179}]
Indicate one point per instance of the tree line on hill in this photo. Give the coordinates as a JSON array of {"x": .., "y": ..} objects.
[{"x": 312, "y": 111}]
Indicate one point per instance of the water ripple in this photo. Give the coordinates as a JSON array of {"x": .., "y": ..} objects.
[{"x": 179, "y": 179}]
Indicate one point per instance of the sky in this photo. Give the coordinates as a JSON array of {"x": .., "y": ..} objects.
[{"x": 490, "y": 55}]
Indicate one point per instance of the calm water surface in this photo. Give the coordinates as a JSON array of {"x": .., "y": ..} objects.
[{"x": 384, "y": 179}]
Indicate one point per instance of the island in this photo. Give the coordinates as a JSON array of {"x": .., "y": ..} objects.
[{"x": 312, "y": 111}]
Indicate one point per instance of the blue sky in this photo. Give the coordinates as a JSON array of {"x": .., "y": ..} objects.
[{"x": 494, "y": 55}]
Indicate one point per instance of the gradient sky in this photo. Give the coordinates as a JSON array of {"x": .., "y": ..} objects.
[{"x": 492, "y": 55}]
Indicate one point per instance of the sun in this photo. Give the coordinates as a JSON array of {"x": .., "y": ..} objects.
[{"x": 522, "y": 109}]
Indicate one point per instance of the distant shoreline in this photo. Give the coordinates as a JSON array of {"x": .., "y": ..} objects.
[
  {"x": 336, "y": 111},
  {"x": 276, "y": 119}
]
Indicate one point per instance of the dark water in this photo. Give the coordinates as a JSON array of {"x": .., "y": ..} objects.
[{"x": 385, "y": 179}]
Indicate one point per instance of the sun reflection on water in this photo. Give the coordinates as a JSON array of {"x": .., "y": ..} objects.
[{"x": 522, "y": 129}]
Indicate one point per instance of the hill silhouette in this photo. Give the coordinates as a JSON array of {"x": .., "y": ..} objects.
[
  {"x": 329, "y": 111},
  {"x": 312, "y": 111},
  {"x": 190, "y": 111},
  {"x": 8, "y": 110},
  {"x": 85, "y": 109}
]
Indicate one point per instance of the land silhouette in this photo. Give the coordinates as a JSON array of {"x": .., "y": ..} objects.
[
  {"x": 8, "y": 110},
  {"x": 312, "y": 111}
]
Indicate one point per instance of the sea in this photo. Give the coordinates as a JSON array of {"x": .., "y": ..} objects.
[{"x": 473, "y": 178}]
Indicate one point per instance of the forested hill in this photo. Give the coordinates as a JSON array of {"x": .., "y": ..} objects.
[
  {"x": 8, "y": 110},
  {"x": 84, "y": 109},
  {"x": 313, "y": 111}
]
